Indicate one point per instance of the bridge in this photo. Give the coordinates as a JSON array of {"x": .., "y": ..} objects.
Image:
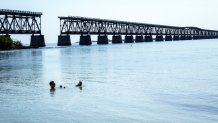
[
  {"x": 22, "y": 22},
  {"x": 143, "y": 32}
]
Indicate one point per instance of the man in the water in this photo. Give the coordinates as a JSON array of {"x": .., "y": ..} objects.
[
  {"x": 52, "y": 85},
  {"x": 79, "y": 84}
]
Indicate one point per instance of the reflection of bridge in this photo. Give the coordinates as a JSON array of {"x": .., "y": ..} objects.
[
  {"x": 143, "y": 32},
  {"x": 22, "y": 22}
]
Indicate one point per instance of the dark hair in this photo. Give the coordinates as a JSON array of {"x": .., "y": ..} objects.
[{"x": 52, "y": 82}]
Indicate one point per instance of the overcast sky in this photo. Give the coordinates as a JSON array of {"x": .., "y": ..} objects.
[{"x": 199, "y": 13}]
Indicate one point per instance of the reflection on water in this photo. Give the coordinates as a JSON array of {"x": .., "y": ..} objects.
[
  {"x": 141, "y": 82},
  {"x": 52, "y": 92},
  {"x": 81, "y": 88}
]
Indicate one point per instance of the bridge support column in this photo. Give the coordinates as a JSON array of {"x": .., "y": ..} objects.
[
  {"x": 159, "y": 38},
  {"x": 129, "y": 39},
  {"x": 148, "y": 38},
  {"x": 189, "y": 37},
  {"x": 168, "y": 38},
  {"x": 196, "y": 37},
  {"x": 85, "y": 40},
  {"x": 205, "y": 37},
  {"x": 64, "y": 40},
  {"x": 139, "y": 38},
  {"x": 210, "y": 37},
  {"x": 117, "y": 39},
  {"x": 183, "y": 37},
  {"x": 102, "y": 39},
  {"x": 176, "y": 38},
  {"x": 37, "y": 41}
]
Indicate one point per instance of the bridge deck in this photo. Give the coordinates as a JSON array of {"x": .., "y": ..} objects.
[{"x": 18, "y": 12}]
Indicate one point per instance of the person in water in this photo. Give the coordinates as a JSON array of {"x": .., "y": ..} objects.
[
  {"x": 79, "y": 84},
  {"x": 52, "y": 85},
  {"x": 62, "y": 86}
]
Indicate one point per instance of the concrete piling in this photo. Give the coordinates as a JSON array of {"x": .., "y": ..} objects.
[
  {"x": 168, "y": 38},
  {"x": 85, "y": 40},
  {"x": 148, "y": 38},
  {"x": 64, "y": 40},
  {"x": 117, "y": 39},
  {"x": 139, "y": 38},
  {"x": 159, "y": 38},
  {"x": 102, "y": 39},
  {"x": 129, "y": 39},
  {"x": 37, "y": 41}
]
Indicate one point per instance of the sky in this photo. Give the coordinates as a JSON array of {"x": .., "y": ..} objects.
[{"x": 199, "y": 13}]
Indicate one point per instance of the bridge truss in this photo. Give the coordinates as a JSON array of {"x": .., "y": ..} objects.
[
  {"x": 82, "y": 25},
  {"x": 19, "y": 22}
]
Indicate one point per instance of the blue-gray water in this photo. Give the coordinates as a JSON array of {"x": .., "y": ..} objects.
[{"x": 164, "y": 82}]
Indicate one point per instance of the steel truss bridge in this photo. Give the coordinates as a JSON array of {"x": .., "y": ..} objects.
[
  {"x": 73, "y": 25},
  {"x": 19, "y": 22},
  {"x": 22, "y": 22}
]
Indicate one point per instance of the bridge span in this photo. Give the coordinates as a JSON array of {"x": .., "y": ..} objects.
[
  {"x": 22, "y": 22},
  {"x": 143, "y": 32}
]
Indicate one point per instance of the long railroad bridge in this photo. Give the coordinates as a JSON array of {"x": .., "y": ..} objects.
[
  {"x": 22, "y": 22},
  {"x": 143, "y": 32},
  {"x": 27, "y": 22}
]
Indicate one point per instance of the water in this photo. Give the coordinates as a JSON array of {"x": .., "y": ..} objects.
[{"x": 164, "y": 82}]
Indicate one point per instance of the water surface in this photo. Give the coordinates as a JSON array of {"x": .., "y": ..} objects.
[{"x": 163, "y": 82}]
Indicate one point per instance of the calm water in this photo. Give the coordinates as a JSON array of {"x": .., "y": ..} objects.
[{"x": 163, "y": 82}]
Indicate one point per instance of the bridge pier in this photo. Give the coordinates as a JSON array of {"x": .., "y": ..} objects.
[
  {"x": 207, "y": 37},
  {"x": 102, "y": 39},
  {"x": 129, "y": 39},
  {"x": 64, "y": 40},
  {"x": 37, "y": 41},
  {"x": 168, "y": 38},
  {"x": 148, "y": 38},
  {"x": 183, "y": 37},
  {"x": 139, "y": 38},
  {"x": 159, "y": 38},
  {"x": 211, "y": 37},
  {"x": 189, "y": 37},
  {"x": 117, "y": 39},
  {"x": 176, "y": 38},
  {"x": 196, "y": 37},
  {"x": 85, "y": 40}
]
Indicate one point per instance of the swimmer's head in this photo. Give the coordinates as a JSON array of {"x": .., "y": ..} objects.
[
  {"x": 52, "y": 84},
  {"x": 79, "y": 84}
]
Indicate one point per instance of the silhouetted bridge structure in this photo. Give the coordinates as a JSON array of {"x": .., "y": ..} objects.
[
  {"x": 22, "y": 22},
  {"x": 143, "y": 32}
]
